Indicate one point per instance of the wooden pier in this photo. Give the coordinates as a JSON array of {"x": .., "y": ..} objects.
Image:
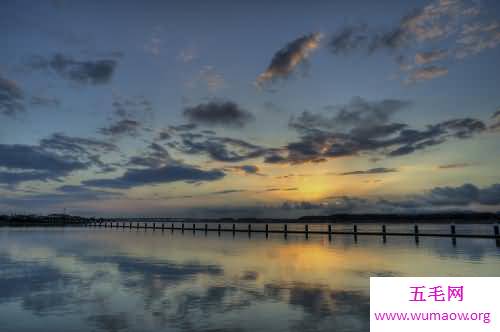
[{"x": 284, "y": 229}]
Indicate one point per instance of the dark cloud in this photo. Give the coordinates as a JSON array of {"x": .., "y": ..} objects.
[
  {"x": 129, "y": 117},
  {"x": 363, "y": 127},
  {"x": 78, "y": 145},
  {"x": 378, "y": 170},
  {"x": 349, "y": 39},
  {"x": 246, "y": 169},
  {"x": 218, "y": 113},
  {"x": 164, "y": 135},
  {"x": 357, "y": 113},
  {"x": 171, "y": 131},
  {"x": 224, "y": 149},
  {"x": 228, "y": 191},
  {"x": 463, "y": 195},
  {"x": 496, "y": 121},
  {"x": 125, "y": 127},
  {"x": 89, "y": 149},
  {"x": 155, "y": 156},
  {"x": 289, "y": 57},
  {"x": 183, "y": 127},
  {"x": 62, "y": 196},
  {"x": 84, "y": 72},
  {"x": 110, "y": 322},
  {"x": 55, "y": 157},
  {"x": 11, "y": 97},
  {"x": 27, "y": 157},
  {"x": 11, "y": 178},
  {"x": 249, "y": 169},
  {"x": 456, "y": 165},
  {"x": 437, "y": 198},
  {"x": 131, "y": 107},
  {"x": 280, "y": 189},
  {"x": 150, "y": 176}
]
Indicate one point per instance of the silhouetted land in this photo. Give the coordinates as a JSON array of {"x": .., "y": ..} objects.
[{"x": 68, "y": 220}]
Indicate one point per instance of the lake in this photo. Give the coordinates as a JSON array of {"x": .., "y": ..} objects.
[{"x": 96, "y": 279}]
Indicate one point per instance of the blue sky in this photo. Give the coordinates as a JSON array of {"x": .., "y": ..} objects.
[{"x": 249, "y": 108}]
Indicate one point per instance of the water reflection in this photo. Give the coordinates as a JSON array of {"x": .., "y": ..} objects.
[{"x": 128, "y": 280}]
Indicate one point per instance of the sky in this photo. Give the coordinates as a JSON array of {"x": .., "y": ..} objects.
[{"x": 249, "y": 108}]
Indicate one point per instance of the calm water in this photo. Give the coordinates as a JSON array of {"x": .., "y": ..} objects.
[{"x": 134, "y": 280}]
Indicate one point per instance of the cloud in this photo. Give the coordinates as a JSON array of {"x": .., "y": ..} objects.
[
  {"x": 29, "y": 157},
  {"x": 83, "y": 72},
  {"x": 280, "y": 189},
  {"x": 456, "y": 23},
  {"x": 434, "y": 21},
  {"x": 228, "y": 191},
  {"x": 349, "y": 39},
  {"x": 378, "y": 170},
  {"x": 249, "y": 169},
  {"x": 426, "y": 73},
  {"x": 435, "y": 199},
  {"x": 124, "y": 127},
  {"x": 183, "y": 127},
  {"x": 496, "y": 121},
  {"x": 289, "y": 57},
  {"x": 224, "y": 149},
  {"x": 62, "y": 195},
  {"x": 10, "y": 178},
  {"x": 423, "y": 58},
  {"x": 454, "y": 166},
  {"x": 218, "y": 113},
  {"x": 464, "y": 195},
  {"x": 129, "y": 117},
  {"x": 245, "y": 169},
  {"x": 359, "y": 113},
  {"x": 151, "y": 176},
  {"x": 11, "y": 97},
  {"x": 478, "y": 37},
  {"x": 55, "y": 156},
  {"x": 365, "y": 127},
  {"x": 88, "y": 149},
  {"x": 32, "y": 163},
  {"x": 302, "y": 206},
  {"x": 76, "y": 145},
  {"x": 155, "y": 156}
]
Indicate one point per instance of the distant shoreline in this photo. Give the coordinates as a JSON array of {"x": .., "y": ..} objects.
[{"x": 435, "y": 218}]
